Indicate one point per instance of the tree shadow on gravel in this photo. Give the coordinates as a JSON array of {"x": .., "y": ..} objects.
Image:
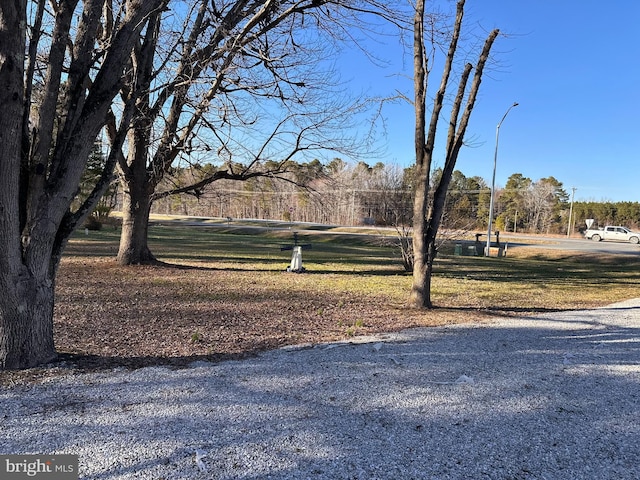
[{"x": 555, "y": 398}]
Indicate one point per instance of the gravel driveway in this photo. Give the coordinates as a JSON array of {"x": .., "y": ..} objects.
[{"x": 555, "y": 396}]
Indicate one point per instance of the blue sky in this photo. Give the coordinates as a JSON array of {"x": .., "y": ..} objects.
[{"x": 574, "y": 68}]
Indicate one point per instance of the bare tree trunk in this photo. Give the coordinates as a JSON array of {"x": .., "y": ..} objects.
[
  {"x": 134, "y": 247},
  {"x": 26, "y": 302},
  {"x": 135, "y": 180},
  {"x": 429, "y": 205},
  {"x": 41, "y": 169},
  {"x": 421, "y": 288},
  {"x": 27, "y": 340}
]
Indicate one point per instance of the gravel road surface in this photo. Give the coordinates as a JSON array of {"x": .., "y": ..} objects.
[{"x": 553, "y": 396}]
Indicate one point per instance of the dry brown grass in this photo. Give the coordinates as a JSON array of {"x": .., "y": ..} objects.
[{"x": 202, "y": 304}]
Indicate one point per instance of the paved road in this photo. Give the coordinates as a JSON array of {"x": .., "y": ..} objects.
[
  {"x": 537, "y": 241},
  {"x": 572, "y": 244}
]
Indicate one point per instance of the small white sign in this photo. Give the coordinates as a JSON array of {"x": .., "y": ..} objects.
[{"x": 589, "y": 222}]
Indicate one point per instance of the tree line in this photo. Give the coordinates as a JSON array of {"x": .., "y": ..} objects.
[{"x": 356, "y": 193}]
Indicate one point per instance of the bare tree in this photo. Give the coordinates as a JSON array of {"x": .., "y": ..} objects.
[
  {"x": 55, "y": 92},
  {"x": 545, "y": 200},
  {"x": 429, "y": 203},
  {"x": 206, "y": 85}
]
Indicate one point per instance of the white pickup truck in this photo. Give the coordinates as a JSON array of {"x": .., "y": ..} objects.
[{"x": 614, "y": 233}]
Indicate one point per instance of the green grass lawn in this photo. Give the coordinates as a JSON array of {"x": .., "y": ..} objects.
[{"x": 526, "y": 280}]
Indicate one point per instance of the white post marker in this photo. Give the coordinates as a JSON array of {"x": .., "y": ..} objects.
[
  {"x": 296, "y": 255},
  {"x": 296, "y": 260}
]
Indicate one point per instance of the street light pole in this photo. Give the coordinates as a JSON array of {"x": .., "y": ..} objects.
[
  {"x": 493, "y": 180},
  {"x": 570, "y": 226}
]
